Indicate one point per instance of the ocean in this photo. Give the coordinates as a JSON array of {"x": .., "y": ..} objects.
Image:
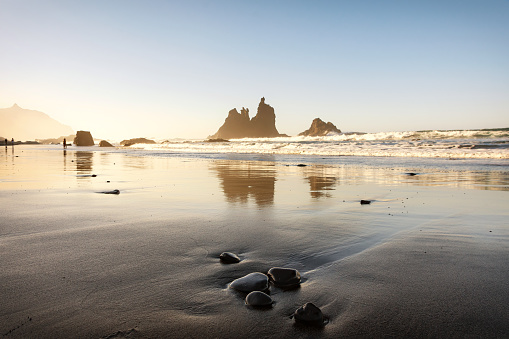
[
  {"x": 464, "y": 144},
  {"x": 472, "y": 150}
]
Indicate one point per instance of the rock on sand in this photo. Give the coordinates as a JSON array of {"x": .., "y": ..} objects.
[
  {"x": 251, "y": 282},
  {"x": 259, "y": 299},
  {"x": 110, "y": 192},
  {"x": 284, "y": 277},
  {"x": 229, "y": 258},
  {"x": 309, "y": 314}
]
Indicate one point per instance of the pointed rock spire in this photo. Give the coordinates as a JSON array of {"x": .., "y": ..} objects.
[{"x": 238, "y": 125}]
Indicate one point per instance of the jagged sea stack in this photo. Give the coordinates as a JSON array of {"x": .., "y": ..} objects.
[
  {"x": 238, "y": 125},
  {"x": 263, "y": 124}
]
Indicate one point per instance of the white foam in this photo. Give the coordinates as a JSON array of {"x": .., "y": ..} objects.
[{"x": 439, "y": 144}]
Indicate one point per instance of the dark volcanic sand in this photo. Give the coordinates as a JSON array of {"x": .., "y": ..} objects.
[{"x": 427, "y": 258}]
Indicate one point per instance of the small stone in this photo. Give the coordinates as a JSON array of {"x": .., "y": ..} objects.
[
  {"x": 259, "y": 299},
  {"x": 365, "y": 202},
  {"x": 251, "y": 282},
  {"x": 111, "y": 192},
  {"x": 284, "y": 277},
  {"x": 309, "y": 314},
  {"x": 229, "y": 258}
]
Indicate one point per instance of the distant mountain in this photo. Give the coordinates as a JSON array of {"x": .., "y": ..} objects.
[{"x": 26, "y": 124}]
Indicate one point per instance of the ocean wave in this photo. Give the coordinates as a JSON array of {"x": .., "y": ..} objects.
[
  {"x": 406, "y": 135},
  {"x": 379, "y": 149},
  {"x": 461, "y": 144}
]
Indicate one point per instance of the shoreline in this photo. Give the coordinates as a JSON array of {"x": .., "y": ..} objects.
[{"x": 405, "y": 163}]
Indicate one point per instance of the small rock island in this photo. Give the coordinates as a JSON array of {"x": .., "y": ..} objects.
[
  {"x": 319, "y": 129},
  {"x": 134, "y": 141}
]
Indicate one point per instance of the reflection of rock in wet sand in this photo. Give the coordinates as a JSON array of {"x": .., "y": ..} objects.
[
  {"x": 240, "y": 181},
  {"x": 493, "y": 181},
  {"x": 84, "y": 162},
  {"x": 319, "y": 185}
]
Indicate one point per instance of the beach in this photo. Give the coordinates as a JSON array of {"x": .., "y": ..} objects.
[{"x": 427, "y": 257}]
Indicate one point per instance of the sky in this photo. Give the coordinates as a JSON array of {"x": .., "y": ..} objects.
[{"x": 173, "y": 69}]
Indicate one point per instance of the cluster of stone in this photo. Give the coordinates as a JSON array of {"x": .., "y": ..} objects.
[{"x": 257, "y": 284}]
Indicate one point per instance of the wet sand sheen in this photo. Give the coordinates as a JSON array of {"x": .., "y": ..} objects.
[{"x": 419, "y": 261}]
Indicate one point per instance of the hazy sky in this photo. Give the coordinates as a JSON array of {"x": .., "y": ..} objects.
[{"x": 166, "y": 69}]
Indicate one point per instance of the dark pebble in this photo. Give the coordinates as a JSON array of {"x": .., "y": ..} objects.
[
  {"x": 365, "y": 202},
  {"x": 111, "y": 192},
  {"x": 258, "y": 299},
  {"x": 284, "y": 277},
  {"x": 229, "y": 258},
  {"x": 309, "y": 314}
]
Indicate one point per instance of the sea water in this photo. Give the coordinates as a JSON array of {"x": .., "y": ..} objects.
[
  {"x": 485, "y": 144},
  {"x": 472, "y": 150}
]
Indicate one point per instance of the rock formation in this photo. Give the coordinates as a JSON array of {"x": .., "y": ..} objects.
[
  {"x": 238, "y": 125},
  {"x": 83, "y": 138},
  {"x": 25, "y": 124},
  {"x": 133, "y": 141},
  {"x": 319, "y": 129},
  {"x": 104, "y": 143}
]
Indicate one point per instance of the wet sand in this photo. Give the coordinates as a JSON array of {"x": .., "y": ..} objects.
[{"x": 427, "y": 258}]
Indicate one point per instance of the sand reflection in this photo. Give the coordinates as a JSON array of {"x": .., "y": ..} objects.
[
  {"x": 242, "y": 181},
  {"x": 323, "y": 179},
  {"x": 492, "y": 181},
  {"x": 65, "y": 160},
  {"x": 136, "y": 162},
  {"x": 319, "y": 186},
  {"x": 84, "y": 162}
]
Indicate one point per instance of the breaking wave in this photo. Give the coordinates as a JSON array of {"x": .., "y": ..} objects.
[{"x": 480, "y": 144}]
